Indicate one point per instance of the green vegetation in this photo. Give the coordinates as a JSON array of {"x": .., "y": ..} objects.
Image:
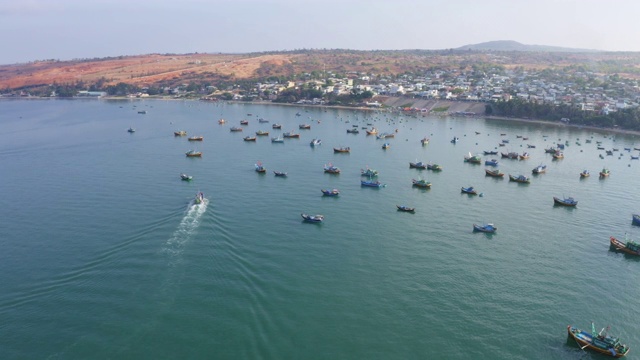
[{"x": 440, "y": 109}]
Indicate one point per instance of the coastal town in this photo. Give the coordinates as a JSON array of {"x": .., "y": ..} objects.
[{"x": 443, "y": 84}]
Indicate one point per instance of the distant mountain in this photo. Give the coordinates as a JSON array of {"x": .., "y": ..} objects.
[{"x": 510, "y": 45}]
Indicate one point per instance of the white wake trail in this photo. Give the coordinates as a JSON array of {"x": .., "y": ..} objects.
[{"x": 187, "y": 227}]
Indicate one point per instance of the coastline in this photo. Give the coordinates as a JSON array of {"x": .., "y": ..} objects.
[{"x": 355, "y": 108}]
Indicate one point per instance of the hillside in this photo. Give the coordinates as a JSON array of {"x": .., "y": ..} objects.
[
  {"x": 510, "y": 45},
  {"x": 172, "y": 69}
]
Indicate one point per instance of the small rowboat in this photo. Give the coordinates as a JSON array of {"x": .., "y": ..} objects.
[
  {"x": 342, "y": 150},
  {"x": 313, "y": 218},
  {"x": 333, "y": 192},
  {"x": 221, "y": 121},
  {"x": 193, "y": 153},
  {"x": 565, "y": 201},
  {"x": 584, "y": 173},
  {"x": 280, "y": 174},
  {"x": 131, "y": 130},
  {"x": 598, "y": 342},
  {"x": 259, "y": 168},
  {"x": 604, "y": 173},
  {"x": 487, "y": 228},
  {"x": 249, "y": 138},
  {"x": 405, "y": 208},
  {"x": 630, "y": 247},
  {"x": 196, "y": 138}
]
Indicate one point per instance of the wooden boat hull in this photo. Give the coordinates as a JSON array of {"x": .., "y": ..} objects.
[
  {"x": 619, "y": 245},
  {"x": 494, "y": 173},
  {"x": 469, "y": 191},
  {"x": 583, "y": 340},
  {"x": 194, "y": 154},
  {"x": 341, "y": 150},
  {"x": 424, "y": 185}
]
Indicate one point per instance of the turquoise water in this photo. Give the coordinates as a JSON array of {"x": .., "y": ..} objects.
[{"x": 104, "y": 254}]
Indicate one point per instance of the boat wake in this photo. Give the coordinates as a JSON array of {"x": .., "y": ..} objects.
[{"x": 187, "y": 227}]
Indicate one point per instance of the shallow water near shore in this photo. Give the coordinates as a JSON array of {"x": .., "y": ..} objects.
[{"x": 105, "y": 254}]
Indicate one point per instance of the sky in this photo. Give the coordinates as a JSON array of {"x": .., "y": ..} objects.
[{"x": 70, "y": 29}]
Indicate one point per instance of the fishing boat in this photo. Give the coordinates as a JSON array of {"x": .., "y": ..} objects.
[
  {"x": 560, "y": 146},
  {"x": 550, "y": 150},
  {"x": 474, "y": 159},
  {"x": 629, "y": 247},
  {"x": 455, "y": 140},
  {"x": 518, "y": 136},
  {"x": 199, "y": 199},
  {"x": 249, "y": 138},
  {"x": 193, "y": 153},
  {"x": 186, "y": 177},
  {"x": 604, "y": 173},
  {"x": 520, "y": 179},
  {"x": 405, "y": 208},
  {"x": 304, "y": 126},
  {"x": 280, "y": 174},
  {"x": 492, "y": 162},
  {"x": 511, "y": 155},
  {"x": 434, "y": 167},
  {"x": 371, "y": 183},
  {"x": 342, "y": 150},
  {"x": 353, "y": 131},
  {"x": 276, "y": 126},
  {"x": 540, "y": 169},
  {"x": 494, "y": 173},
  {"x": 635, "y": 157},
  {"x": 262, "y": 133},
  {"x": 381, "y": 136},
  {"x": 277, "y": 139},
  {"x": 368, "y": 172},
  {"x": 180, "y": 133},
  {"x": 531, "y": 146},
  {"x": 635, "y": 219},
  {"x": 222, "y": 121},
  {"x": 501, "y": 144},
  {"x": 331, "y": 169},
  {"x": 196, "y": 138},
  {"x": 291, "y": 135},
  {"x": 417, "y": 165},
  {"x": 470, "y": 190},
  {"x": 490, "y": 152},
  {"x": 235, "y": 129},
  {"x": 598, "y": 341},
  {"x": 424, "y": 141},
  {"x": 421, "y": 183},
  {"x": 142, "y": 112},
  {"x": 565, "y": 201},
  {"x": 584, "y": 173},
  {"x": 373, "y": 131},
  {"x": 524, "y": 156},
  {"x": 262, "y": 121},
  {"x": 244, "y": 122},
  {"x": 487, "y": 228},
  {"x": 315, "y": 142},
  {"x": 313, "y": 218},
  {"x": 385, "y": 146},
  {"x": 505, "y": 141},
  {"x": 558, "y": 155},
  {"x": 131, "y": 130},
  {"x": 259, "y": 168},
  {"x": 333, "y": 192}
]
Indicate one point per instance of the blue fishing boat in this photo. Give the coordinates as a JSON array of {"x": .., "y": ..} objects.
[
  {"x": 405, "y": 208},
  {"x": 131, "y": 130},
  {"x": 520, "y": 179},
  {"x": 333, "y": 192},
  {"x": 353, "y": 131},
  {"x": 598, "y": 341},
  {"x": 259, "y": 168},
  {"x": 385, "y": 146},
  {"x": 635, "y": 219},
  {"x": 469, "y": 190},
  {"x": 584, "y": 173},
  {"x": 487, "y": 228},
  {"x": 565, "y": 201},
  {"x": 371, "y": 183},
  {"x": 492, "y": 162},
  {"x": 417, "y": 165},
  {"x": 312, "y": 218}
]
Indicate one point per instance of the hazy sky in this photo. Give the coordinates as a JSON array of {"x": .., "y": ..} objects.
[{"x": 67, "y": 29}]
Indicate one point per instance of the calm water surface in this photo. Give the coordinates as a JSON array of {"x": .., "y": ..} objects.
[{"x": 104, "y": 254}]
